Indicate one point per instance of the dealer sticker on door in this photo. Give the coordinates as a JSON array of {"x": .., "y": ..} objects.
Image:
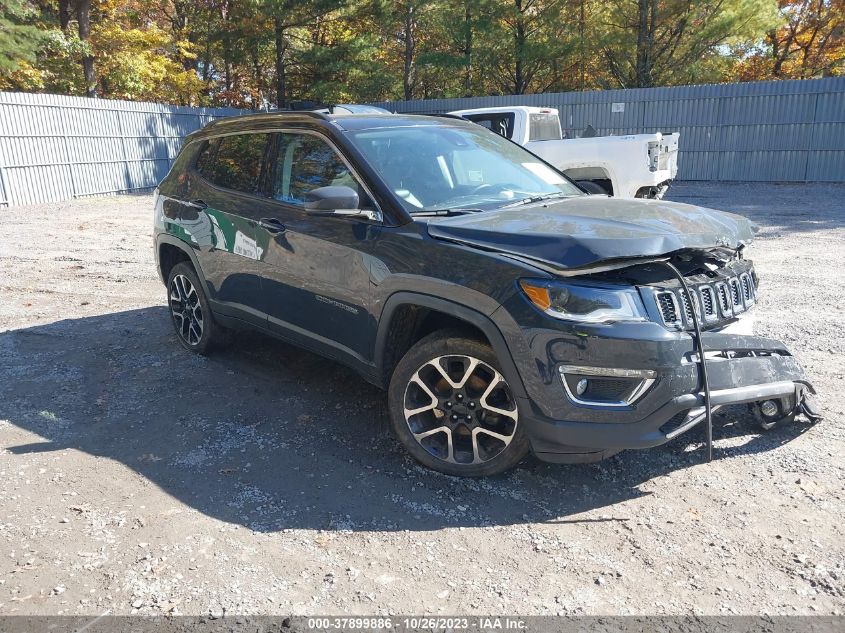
[{"x": 247, "y": 247}]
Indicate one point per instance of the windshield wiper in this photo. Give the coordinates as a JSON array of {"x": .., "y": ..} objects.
[
  {"x": 444, "y": 212},
  {"x": 540, "y": 198}
]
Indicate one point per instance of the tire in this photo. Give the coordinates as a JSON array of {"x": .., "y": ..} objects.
[
  {"x": 190, "y": 312},
  {"x": 592, "y": 188},
  {"x": 452, "y": 409}
]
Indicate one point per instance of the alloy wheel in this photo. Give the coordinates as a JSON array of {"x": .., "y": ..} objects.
[
  {"x": 186, "y": 309},
  {"x": 460, "y": 410}
]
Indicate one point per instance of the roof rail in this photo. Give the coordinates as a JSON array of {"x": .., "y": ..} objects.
[{"x": 445, "y": 115}]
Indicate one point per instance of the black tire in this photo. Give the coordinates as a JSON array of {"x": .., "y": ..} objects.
[
  {"x": 484, "y": 401},
  {"x": 190, "y": 312},
  {"x": 592, "y": 188}
]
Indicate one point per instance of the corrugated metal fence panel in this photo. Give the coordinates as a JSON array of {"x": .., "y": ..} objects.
[
  {"x": 767, "y": 131},
  {"x": 55, "y": 147}
]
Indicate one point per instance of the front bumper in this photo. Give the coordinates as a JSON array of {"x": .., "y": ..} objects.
[{"x": 741, "y": 369}]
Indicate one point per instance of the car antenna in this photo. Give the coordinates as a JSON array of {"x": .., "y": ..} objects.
[{"x": 708, "y": 411}]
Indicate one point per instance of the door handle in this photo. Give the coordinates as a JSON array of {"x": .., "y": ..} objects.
[
  {"x": 272, "y": 225},
  {"x": 199, "y": 203}
]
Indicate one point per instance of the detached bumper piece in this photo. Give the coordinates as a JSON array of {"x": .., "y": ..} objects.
[
  {"x": 743, "y": 370},
  {"x": 795, "y": 393}
]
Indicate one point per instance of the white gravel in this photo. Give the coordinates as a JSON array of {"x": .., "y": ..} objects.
[{"x": 136, "y": 478}]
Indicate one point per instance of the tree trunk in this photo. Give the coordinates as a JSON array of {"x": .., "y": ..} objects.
[
  {"x": 646, "y": 24},
  {"x": 227, "y": 51},
  {"x": 582, "y": 60},
  {"x": 65, "y": 12},
  {"x": 519, "y": 51},
  {"x": 83, "y": 18},
  {"x": 467, "y": 49},
  {"x": 410, "y": 45},
  {"x": 281, "y": 47}
]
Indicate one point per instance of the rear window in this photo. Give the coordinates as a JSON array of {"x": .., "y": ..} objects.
[
  {"x": 234, "y": 162},
  {"x": 544, "y": 127},
  {"x": 501, "y": 124}
]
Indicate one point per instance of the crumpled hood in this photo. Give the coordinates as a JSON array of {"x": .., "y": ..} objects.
[{"x": 583, "y": 231}]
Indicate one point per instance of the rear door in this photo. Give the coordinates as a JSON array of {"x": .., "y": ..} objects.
[
  {"x": 316, "y": 276},
  {"x": 227, "y": 195}
]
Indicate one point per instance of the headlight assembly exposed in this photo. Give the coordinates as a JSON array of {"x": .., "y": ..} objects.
[{"x": 587, "y": 304}]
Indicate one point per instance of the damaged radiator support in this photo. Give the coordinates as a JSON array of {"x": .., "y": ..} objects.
[{"x": 708, "y": 412}]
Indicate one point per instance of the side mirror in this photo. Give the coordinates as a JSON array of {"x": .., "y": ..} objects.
[{"x": 331, "y": 199}]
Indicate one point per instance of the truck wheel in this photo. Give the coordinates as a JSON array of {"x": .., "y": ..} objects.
[
  {"x": 190, "y": 313},
  {"x": 592, "y": 188},
  {"x": 452, "y": 408}
]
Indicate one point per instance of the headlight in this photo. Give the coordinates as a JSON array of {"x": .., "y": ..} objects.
[{"x": 588, "y": 304}]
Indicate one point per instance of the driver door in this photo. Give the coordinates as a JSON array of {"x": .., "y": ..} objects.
[{"x": 316, "y": 280}]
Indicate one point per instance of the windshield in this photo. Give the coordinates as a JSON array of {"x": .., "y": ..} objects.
[{"x": 431, "y": 168}]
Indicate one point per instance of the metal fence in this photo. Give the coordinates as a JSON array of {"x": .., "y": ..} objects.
[
  {"x": 55, "y": 147},
  {"x": 763, "y": 131}
]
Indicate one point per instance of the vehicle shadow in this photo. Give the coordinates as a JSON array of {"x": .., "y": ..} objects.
[{"x": 270, "y": 437}]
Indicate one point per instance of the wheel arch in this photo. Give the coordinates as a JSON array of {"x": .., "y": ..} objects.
[
  {"x": 169, "y": 252},
  {"x": 408, "y": 316}
]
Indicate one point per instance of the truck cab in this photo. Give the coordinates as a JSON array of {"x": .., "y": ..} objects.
[{"x": 629, "y": 166}]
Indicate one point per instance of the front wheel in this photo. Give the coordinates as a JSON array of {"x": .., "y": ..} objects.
[{"x": 452, "y": 408}]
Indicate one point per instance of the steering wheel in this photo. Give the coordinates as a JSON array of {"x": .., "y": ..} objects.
[{"x": 497, "y": 188}]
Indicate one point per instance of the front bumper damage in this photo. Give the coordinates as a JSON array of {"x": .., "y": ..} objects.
[{"x": 741, "y": 369}]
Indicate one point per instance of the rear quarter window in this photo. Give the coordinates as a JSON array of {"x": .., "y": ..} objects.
[{"x": 234, "y": 162}]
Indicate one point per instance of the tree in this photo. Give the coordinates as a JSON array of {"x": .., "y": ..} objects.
[
  {"x": 809, "y": 43},
  {"x": 249, "y": 53},
  {"x": 19, "y": 40},
  {"x": 657, "y": 42},
  {"x": 526, "y": 40},
  {"x": 287, "y": 15}
]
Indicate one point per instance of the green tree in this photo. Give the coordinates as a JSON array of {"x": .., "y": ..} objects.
[
  {"x": 525, "y": 44},
  {"x": 661, "y": 42},
  {"x": 20, "y": 40}
]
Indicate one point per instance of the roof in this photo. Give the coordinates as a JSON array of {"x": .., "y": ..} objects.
[{"x": 351, "y": 122}]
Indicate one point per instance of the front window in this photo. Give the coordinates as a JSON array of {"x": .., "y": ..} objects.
[
  {"x": 304, "y": 162},
  {"x": 433, "y": 167}
]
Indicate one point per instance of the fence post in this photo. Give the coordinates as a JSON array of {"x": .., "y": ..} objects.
[
  {"x": 127, "y": 183},
  {"x": 811, "y": 139},
  {"x": 69, "y": 167},
  {"x": 4, "y": 196}
]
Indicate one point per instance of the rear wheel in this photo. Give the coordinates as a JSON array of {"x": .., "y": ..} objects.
[
  {"x": 452, "y": 408},
  {"x": 190, "y": 312}
]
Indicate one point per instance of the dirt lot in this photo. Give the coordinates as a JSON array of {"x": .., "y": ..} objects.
[{"x": 135, "y": 477}]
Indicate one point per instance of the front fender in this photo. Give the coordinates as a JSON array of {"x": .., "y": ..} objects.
[{"x": 454, "y": 309}]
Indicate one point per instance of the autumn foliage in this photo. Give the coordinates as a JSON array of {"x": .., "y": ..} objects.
[{"x": 259, "y": 53}]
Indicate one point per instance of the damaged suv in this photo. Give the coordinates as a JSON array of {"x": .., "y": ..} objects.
[{"x": 503, "y": 309}]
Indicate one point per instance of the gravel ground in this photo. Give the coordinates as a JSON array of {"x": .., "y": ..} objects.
[{"x": 137, "y": 478}]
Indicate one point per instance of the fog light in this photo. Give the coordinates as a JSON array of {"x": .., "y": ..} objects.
[
  {"x": 605, "y": 386},
  {"x": 769, "y": 408}
]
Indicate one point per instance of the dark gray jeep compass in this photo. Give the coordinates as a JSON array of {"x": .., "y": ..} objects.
[{"x": 503, "y": 309}]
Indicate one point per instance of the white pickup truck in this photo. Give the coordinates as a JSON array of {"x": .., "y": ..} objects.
[{"x": 630, "y": 166}]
